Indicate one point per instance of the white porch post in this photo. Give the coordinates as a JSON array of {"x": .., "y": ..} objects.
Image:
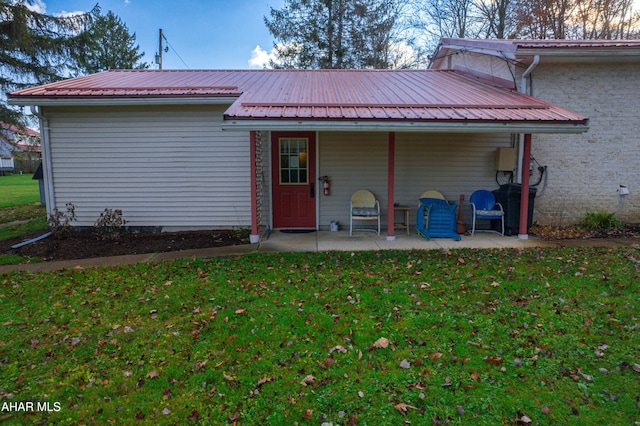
[{"x": 524, "y": 197}]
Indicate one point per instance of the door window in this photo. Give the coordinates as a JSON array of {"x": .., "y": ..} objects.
[{"x": 293, "y": 161}]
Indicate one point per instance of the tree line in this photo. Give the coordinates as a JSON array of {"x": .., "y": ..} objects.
[
  {"x": 402, "y": 33},
  {"x": 36, "y": 48}
]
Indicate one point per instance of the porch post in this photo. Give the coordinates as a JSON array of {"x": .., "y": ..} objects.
[
  {"x": 524, "y": 197},
  {"x": 390, "y": 187},
  {"x": 254, "y": 238}
]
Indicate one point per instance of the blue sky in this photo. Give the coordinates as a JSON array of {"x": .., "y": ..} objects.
[{"x": 206, "y": 34}]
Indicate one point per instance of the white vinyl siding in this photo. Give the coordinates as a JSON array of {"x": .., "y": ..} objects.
[
  {"x": 453, "y": 164},
  {"x": 163, "y": 166}
]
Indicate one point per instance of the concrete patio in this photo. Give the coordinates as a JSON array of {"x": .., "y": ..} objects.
[{"x": 277, "y": 241}]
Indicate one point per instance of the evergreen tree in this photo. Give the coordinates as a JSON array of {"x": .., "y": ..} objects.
[
  {"x": 333, "y": 33},
  {"x": 108, "y": 45},
  {"x": 35, "y": 48}
]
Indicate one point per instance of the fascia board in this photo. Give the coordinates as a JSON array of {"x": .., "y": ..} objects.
[
  {"x": 433, "y": 127},
  {"x": 36, "y": 101}
]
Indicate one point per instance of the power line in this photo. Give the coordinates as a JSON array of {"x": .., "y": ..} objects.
[{"x": 166, "y": 49}]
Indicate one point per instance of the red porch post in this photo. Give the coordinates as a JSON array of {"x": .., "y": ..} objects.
[
  {"x": 391, "y": 186},
  {"x": 254, "y": 238},
  {"x": 524, "y": 198}
]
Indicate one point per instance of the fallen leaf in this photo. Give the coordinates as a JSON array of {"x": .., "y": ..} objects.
[
  {"x": 307, "y": 381},
  {"x": 153, "y": 374},
  {"x": 194, "y": 416},
  {"x": 495, "y": 360},
  {"x": 405, "y": 364},
  {"x": 381, "y": 343},
  {"x": 524, "y": 419},
  {"x": 435, "y": 356},
  {"x": 307, "y": 414},
  {"x": 338, "y": 348},
  {"x": 200, "y": 365},
  {"x": 403, "y": 408},
  {"x": 264, "y": 380},
  {"x": 241, "y": 311},
  {"x": 495, "y": 284},
  {"x": 228, "y": 378}
]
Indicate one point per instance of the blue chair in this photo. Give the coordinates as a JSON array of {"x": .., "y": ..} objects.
[
  {"x": 436, "y": 218},
  {"x": 484, "y": 206}
]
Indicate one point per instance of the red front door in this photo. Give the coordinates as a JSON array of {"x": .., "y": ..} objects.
[{"x": 294, "y": 179}]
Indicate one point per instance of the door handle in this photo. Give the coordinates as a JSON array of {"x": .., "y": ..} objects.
[{"x": 312, "y": 192}]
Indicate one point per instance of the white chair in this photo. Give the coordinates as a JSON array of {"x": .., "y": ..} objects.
[
  {"x": 432, "y": 194},
  {"x": 363, "y": 206}
]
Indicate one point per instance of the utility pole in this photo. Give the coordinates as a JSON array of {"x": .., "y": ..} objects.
[{"x": 159, "y": 55}]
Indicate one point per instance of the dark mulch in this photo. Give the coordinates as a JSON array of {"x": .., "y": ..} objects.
[
  {"x": 83, "y": 245},
  {"x": 578, "y": 233}
]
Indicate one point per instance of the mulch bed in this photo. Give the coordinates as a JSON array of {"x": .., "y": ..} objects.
[
  {"x": 577, "y": 233},
  {"x": 84, "y": 245}
]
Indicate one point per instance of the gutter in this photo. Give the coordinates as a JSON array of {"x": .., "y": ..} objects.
[
  {"x": 523, "y": 89},
  {"x": 415, "y": 126},
  {"x": 47, "y": 169}
]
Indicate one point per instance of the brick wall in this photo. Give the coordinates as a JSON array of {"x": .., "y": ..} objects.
[{"x": 585, "y": 171}]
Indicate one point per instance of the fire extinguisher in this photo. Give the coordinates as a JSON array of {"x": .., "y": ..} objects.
[{"x": 326, "y": 184}]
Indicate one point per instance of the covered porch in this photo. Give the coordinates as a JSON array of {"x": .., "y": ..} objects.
[
  {"x": 382, "y": 131},
  {"x": 396, "y": 167}
]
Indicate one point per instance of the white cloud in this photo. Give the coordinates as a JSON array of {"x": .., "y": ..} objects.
[
  {"x": 260, "y": 58},
  {"x": 38, "y": 6}
]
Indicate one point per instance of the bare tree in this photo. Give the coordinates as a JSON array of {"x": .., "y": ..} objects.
[{"x": 500, "y": 17}]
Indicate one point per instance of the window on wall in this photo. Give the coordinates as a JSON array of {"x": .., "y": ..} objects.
[{"x": 293, "y": 160}]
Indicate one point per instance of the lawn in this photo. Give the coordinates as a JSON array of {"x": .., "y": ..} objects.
[
  {"x": 19, "y": 202},
  {"x": 482, "y": 337},
  {"x": 18, "y": 190}
]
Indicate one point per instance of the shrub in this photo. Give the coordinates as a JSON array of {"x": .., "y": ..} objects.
[
  {"x": 60, "y": 222},
  {"x": 109, "y": 225},
  {"x": 601, "y": 221}
]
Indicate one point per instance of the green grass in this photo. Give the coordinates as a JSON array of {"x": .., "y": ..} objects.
[
  {"x": 18, "y": 190},
  {"x": 480, "y": 337},
  {"x": 20, "y": 202}
]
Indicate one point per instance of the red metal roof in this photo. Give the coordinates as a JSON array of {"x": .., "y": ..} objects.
[
  {"x": 15, "y": 129},
  {"x": 378, "y": 95},
  {"x": 512, "y": 46}
]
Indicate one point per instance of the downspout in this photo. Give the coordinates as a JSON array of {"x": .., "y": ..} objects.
[
  {"x": 47, "y": 167},
  {"x": 523, "y": 89}
]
